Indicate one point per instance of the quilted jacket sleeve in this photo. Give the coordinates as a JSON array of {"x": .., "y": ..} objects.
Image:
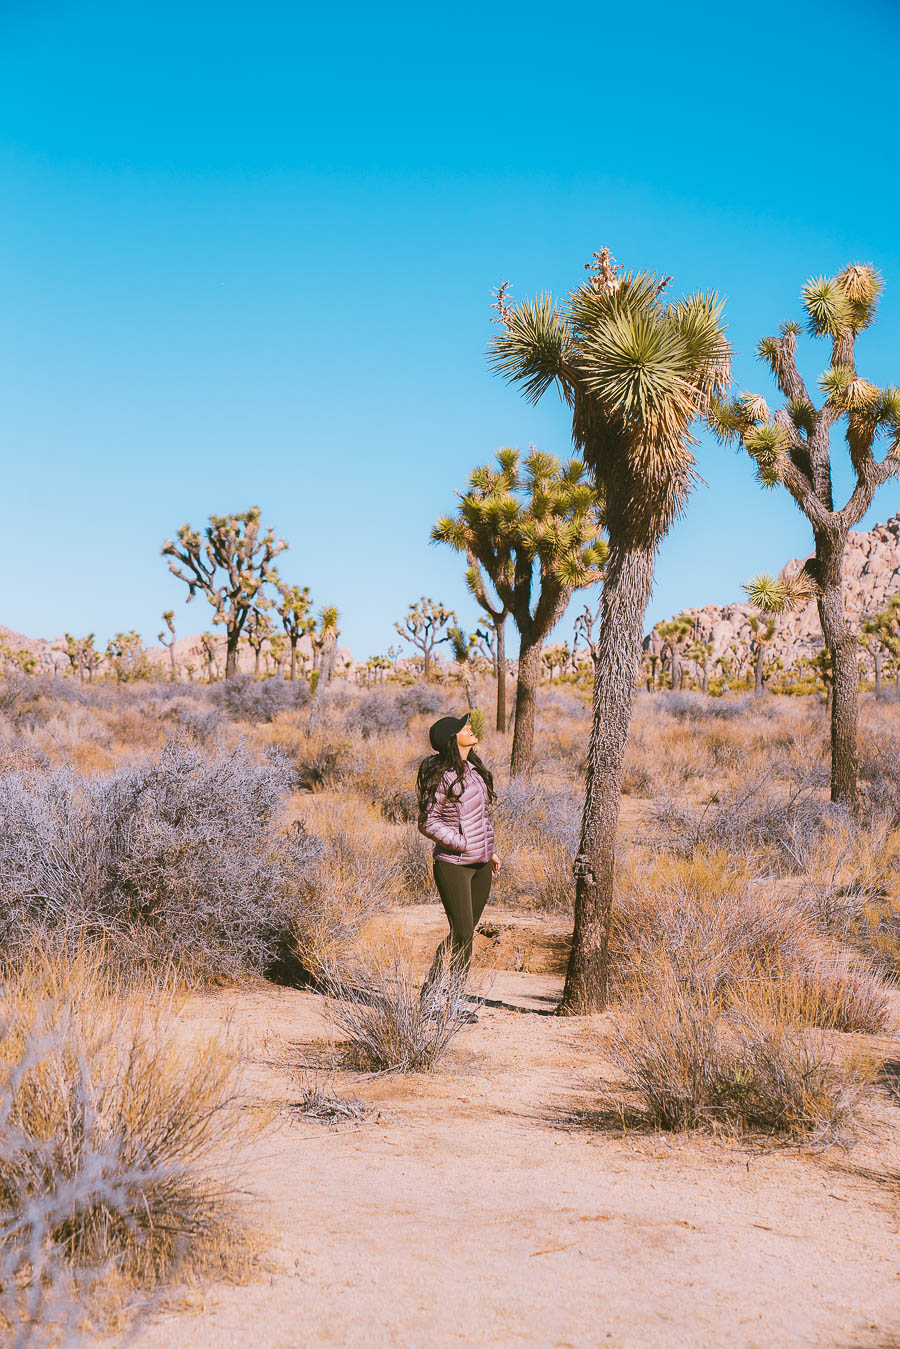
[{"x": 436, "y": 826}]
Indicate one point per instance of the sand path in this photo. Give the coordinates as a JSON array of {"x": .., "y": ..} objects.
[{"x": 464, "y": 1213}]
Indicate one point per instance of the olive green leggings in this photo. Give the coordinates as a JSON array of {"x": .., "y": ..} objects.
[{"x": 464, "y": 892}]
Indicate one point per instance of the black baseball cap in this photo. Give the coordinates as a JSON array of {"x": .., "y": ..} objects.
[{"x": 443, "y": 731}]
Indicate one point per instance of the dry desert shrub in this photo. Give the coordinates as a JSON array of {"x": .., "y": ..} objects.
[
  {"x": 116, "y": 1144},
  {"x": 176, "y": 861},
  {"x": 691, "y": 1067},
  {"x": 537, "y": 822},
  {"x": 259, "y": 700},
  {"x": 734, "y": 939},
  {"x": 392, "y": 1023},
  {"x": 772, "y": 830}
]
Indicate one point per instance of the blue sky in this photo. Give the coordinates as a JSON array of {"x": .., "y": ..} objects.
[{"x": 247, "y": 256}]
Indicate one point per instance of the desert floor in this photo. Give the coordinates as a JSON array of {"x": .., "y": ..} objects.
[{"x": 488, "y": 1203}]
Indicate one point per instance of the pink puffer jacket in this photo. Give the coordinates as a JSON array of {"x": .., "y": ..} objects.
[{"x": 460, "y": 830}]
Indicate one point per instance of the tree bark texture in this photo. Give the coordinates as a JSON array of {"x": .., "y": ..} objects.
[
  {"x": 232, "y": 654},
  {"x": 842, "y": 645},
  {"x": 758, "y": 670},
  {"x": 876, "y": 657},
  {"x": 626, "y": 592},
  {"x": 526, "y": 694},
  {"x": 500, "y": 629}
]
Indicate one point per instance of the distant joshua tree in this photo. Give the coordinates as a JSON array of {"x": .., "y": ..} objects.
[
  {"x": 278, "y": 649},
  {"x": 462, "y": 646},
  {"x": 700, "y": 653},
  {"x": 210, "y": 655},
  {"x": 675, "y": 636},
  {"x": 636, "y": 372},
  {"x": 536, "y": 536},
  {"x": 793, "y": 449},
  {"x": 424, "y": 627},
  {"x": 83, "y": 655},
  {"x": 772, "y": 596},
  {"x": 229, "y": 568},
  {"x": 169, "y": 642},
  {"x": 125, "y": 652},
  {"x": 258, "y": 630},
  {"x": 881, "y": 634},
  {"x": 293, "y": 610}
]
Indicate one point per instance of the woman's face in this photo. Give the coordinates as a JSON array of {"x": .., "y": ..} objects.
[{"x": 466, "y": 738}]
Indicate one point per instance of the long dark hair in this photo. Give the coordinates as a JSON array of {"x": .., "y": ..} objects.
[{"x": 432, "y": 770}]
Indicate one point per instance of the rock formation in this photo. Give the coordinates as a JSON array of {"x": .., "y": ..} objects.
[{"x": 871, "y": 577}]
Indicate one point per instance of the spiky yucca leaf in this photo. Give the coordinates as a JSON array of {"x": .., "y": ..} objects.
[
  {"x": 754, "y": 406},
  {"x": 862, "y": 284},
  {"x": 698, "y": 321},
  {"x": 775, "y": 595},
  {"x": 726, "y": 420},
  {"x": 889, "y": 410},
  {"x": 533, "y": 348},
  {"x": 803, "y": 415},
  {"x": 828, "y": 306},
  {"x": 450, "y": 530}
]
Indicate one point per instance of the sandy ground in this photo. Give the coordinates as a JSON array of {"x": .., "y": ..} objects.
[{"x": 464, "y": 1212}]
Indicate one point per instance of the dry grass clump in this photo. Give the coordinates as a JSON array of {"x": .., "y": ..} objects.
[
  {"x": 115, "y": 1143},
  {"x": 735, "y": 939},
  {"x": 771, "y": 829},
  {"x": 178, "y": 860},
  {"x": 537, "y": 824},
  {"x": 324, "y": 1105},
  {"x": 688, "y": 740},
  {"x": 361, "y": 871},
  {"x": 392, "y": 1023},
  {"x": 693, "y": 1068}
]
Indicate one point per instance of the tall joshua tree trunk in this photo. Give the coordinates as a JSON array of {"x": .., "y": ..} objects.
[
  {"x": 500, "y": 629},
  {"x": 876, "y": 661},
  {"x": 526, "y": 698},
  {"x": 626, "y": 593},
  {"x": 231, "y": 653},
  {"x": 842, "y": 645}
]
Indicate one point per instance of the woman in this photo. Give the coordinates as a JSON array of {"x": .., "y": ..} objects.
[{"x": 455, "y": 791}]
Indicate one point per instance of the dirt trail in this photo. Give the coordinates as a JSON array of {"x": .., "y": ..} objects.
[{"x": 465, "y": 1214}]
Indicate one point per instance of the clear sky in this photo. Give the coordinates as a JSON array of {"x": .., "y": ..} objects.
[{"x": 248, "y": 250}]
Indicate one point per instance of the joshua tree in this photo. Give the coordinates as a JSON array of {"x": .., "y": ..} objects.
[
  {"x": 462, "y": 646},
  {"x": 793, "y": 448},
  {"x": 474, "y": 531},
  {"x": 772, "y": 596},
  {"x": 700, "y": 654},
  {"x": 258, "y": 630},
  {"x": 584, "y": 632},
  {"x": 653, "y": 646},
  {"x": 210, "y": 655},
  {"x": 125, "y": 653},
  {"x": 674, "y": 636},
  {"x": 83, "y": 655},
  {"x": 229, "y": 569},
  {"x": 880, "y": 635},
  {"x": 278, "y": 652},
  {"x": 293, "y": 610},
  {"x": 537, "y": 531},
  {"x": 324, "y": 649},
  {"x": 19, "y": 658},
  {"x": 424, "y": 628},
  {"x": 169, "y": 642},
  {"x": 637, "y": 372},
  {"x": 326, "y": 641}
]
